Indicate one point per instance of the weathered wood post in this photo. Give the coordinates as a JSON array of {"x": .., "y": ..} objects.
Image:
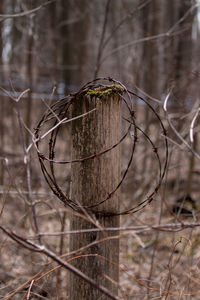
[{"x": 92, "y": 181}]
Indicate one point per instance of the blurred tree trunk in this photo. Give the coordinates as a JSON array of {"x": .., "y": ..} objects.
[
  {"x": 151, "y": 61},
  {"x": 56, "y": 38},
  {"x": 169, "y": 58},
  {"x": 1, "y": 104},
  {"x": 183, "y": 94},
  {"x": 29, "y": 69},
  {"x": 151, "y": 78},
  {"x": 74, "y": 42},
  {"x": 182, "y": 49},
  {"x": 166, "y": 61},
  {"x": 1, "y": 31}
]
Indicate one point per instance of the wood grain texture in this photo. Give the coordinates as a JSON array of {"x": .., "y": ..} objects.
[{"x": 92, "y": 181}]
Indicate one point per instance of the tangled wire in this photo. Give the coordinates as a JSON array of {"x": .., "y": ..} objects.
[{"x": 59, "y": 113}]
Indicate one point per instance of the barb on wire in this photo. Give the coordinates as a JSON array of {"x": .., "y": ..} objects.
[{"x": 61, "y": 111}]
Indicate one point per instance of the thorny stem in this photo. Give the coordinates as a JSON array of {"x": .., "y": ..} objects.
[{"x": 28, "y": 174}]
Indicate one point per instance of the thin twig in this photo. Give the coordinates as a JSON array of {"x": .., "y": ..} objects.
[
  {"x": 192, "y": 126},
  {"x": 171, "y": 227},
  {"x": 24, "y": 13},
  {"x": 42, "y": 249},
  {"x": 181, "y": 138},
  {"x": 63, "y": 121}
]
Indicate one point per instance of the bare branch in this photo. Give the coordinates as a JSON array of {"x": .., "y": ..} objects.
[
  {"x": 169, "y": 33},
  {"x": 42, "y": 249},
  {"x": 24, "y": 13},
  {"x": 171, "y": 227},
  {"x": 181, "y": 138},
  {"x": 63, "y": 121},
  {"x": 13, "y": 98}
]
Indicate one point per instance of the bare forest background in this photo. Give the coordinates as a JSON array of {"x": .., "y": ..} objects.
[{"x": 50, "y": 49}]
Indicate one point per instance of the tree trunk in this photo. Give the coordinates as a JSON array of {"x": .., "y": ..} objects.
[
  {"x": 92, "y": 181},
  {"x": 2, "y": 107},
  {"x": 75, "y": 43}
]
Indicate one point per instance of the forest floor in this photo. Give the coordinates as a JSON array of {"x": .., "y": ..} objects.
[{"x": 154, "y": 264}]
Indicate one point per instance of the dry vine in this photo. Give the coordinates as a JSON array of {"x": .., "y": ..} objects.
[{"x": 59, "y": 113}]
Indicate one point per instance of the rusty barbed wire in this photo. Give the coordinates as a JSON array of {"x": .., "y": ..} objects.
[{"x": 59, "y": 113}]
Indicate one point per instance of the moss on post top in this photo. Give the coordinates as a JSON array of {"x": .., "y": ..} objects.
[{"x": 105, "y": 91}]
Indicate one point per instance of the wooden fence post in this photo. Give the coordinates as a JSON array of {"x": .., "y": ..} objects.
[{"x": 92, "y": 181}]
